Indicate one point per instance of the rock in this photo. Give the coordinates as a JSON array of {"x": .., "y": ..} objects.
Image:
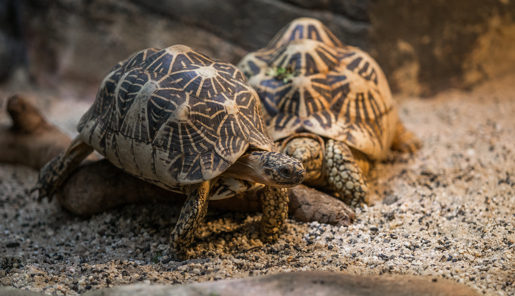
[
  {"x": 12, "y": 244},
  {"x": 459, "y": 50},
  {"x": 12, "y": 47},
  {"x": 81, "y": 40},
  {"x": 390, "y": 199},
  {"x": 10, "y": 291},
  {"x": 253, "y": 23},
  {"x": 303, "y": 283},
  {"x": 353, "y": 9}
]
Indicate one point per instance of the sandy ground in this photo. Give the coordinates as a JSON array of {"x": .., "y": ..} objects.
[{"x": 447, "y": 211}]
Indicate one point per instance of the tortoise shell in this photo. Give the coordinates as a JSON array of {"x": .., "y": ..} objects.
[
  {"x": 174, "y": 117},
  {"x": 308, "y": 81}
]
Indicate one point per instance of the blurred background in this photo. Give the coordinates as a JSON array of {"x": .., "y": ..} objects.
[{"x": 424, "y": 46}]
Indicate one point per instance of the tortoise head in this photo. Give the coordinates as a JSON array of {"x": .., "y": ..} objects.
[
  {"x": 308, "y": 149},
  {"x": 269, "y": 168}
]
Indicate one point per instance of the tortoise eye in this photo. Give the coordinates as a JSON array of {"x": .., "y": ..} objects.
[{"x": 286, "y": 171}]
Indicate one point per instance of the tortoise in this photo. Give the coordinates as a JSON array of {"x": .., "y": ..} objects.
[
  {"x": 187, "y": 123},
  {"x": 328, "y": 104}
]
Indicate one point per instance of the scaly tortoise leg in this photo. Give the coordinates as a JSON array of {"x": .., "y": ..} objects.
[
  {"x": 53, "y": 174},
  {"x": 192, "y": 213},
  {"x": 344, "y": 175},
  {"x": 275, "y": 210},
  {"x": 404, "y": 140}
]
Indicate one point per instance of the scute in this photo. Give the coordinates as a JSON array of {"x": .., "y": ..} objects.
[
  {"x": 335, "y": 91},
  {"x": 304, "y": 28},
  {"x": 174, "y": 117}
]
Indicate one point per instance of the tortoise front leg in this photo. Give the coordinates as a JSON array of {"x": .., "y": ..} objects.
[
  {"x": 344, "y": 175},
  {"x": 192, "y": 213},
  {"x": 54, "y": 173},
  {"x": 275, "y": 210}
]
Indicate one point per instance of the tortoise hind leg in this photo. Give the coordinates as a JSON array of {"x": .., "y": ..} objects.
[
  {"x": 404, "y": 140},
  {"x": 192, "y": 213},
  {"x": 54, "y": 173},
  {"x": 344, "y": 174},
  {"x": 275, "y": 210}
]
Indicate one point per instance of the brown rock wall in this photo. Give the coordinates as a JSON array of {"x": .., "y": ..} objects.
[{"x": 423, "y": 46}]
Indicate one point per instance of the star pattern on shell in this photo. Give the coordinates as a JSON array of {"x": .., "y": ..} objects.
[
  {"x": 174, "y": 116},
  {"x": 333, "y": 90}
]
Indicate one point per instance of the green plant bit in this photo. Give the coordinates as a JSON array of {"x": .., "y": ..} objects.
[
  {"x": 282, "y": 73},
  {"x": 157, "y": 256}
]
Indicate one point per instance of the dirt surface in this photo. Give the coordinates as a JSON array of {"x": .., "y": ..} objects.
[{"x": 447, "y": 211}]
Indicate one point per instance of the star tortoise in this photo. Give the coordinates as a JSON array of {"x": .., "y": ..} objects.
[
  {"x": 187, "y": 123},
  {"x": 329, "y": 104}
]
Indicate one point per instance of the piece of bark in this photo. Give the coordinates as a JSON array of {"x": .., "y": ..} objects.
[
  {"x": 109, "y": 187},
  {"x": 97, "y": 186},
  {"x": 308, "y": 204},
  {"x": 30, "y": 140},
  {"x": 304, "y": 284}
]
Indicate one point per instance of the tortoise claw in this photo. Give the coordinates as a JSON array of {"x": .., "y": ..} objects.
[
  {"x": 45, "y": 187},
  {"x": 45, "y": 190},
  {"x": 39, "y": 193},
  {"x": 34, "y": 193},
  {"x": 50, "y": 178}
]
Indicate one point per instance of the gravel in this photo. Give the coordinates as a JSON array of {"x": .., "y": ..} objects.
[{"x": 447, "y": 212}]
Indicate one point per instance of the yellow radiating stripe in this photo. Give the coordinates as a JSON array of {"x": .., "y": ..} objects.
[
  {"x": 360, "y": 107},
  {"x": 227, "y": 81},
  {"x": 212, "y": 88},
  {"x": 172, "y": 63},
  {"x": 199, "y": 88},
  {"x": 231, "y": 147},
  {"x": 191, "y": 138},
  {"x": 165, "y": 99},
  {"x": 189, "y": 82},
  {"x": 219, "y": 83},
  {"x": 162, "y": 55},
  {"x": 186, "y": 54},
  {"x": 169, "y": 142}
]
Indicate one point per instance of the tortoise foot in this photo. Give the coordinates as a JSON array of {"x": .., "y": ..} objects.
[
  {"x": 48, "y": 179},
  {"x": 405, "y": 141}
]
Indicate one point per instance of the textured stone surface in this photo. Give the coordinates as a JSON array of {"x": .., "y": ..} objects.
[
  {"x": 252, "y": 23},
  {"x": 9, "y": 291},
  {"x": 304, "y": 284},
  {"x": 427, "y": 46},
  {"x": 423, "y": 47},
  {"x": 352, "y": 9},
  {"x": 83, "y": 40},
  {"x": 12, "y": 50},
  {"x": 291, "y": 284}
]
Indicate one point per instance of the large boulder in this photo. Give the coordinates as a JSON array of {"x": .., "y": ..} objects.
[
  {"x": 304, "y": 284},
  {"x": 291, "y": 284}
]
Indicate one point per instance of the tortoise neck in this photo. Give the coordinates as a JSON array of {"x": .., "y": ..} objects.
[
  {"x": 247, "y": 168},
  {"x": 269, "y": 168}
]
